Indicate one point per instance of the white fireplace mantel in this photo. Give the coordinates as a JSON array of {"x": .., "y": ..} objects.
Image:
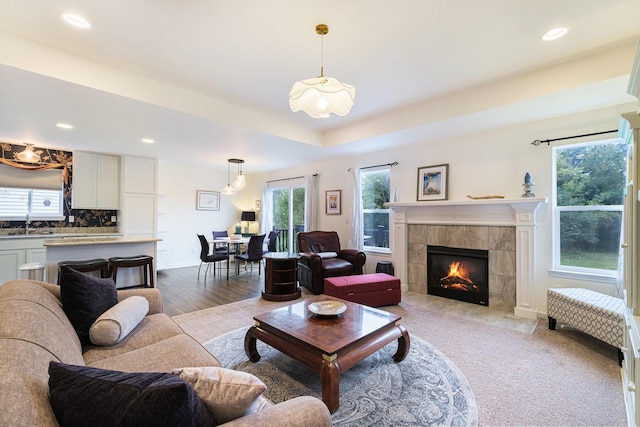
[{"x": 519, "y": 213}]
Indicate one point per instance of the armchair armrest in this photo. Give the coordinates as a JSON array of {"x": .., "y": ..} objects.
[
  {"x": 355, "y": 257},
  {"x": 152, "y": 295}
]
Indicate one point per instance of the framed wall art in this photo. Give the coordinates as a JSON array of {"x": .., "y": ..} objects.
[
  {"x": 433, "y": 182},
  {"x": 207, "y": 200},
  {"x": 334, "y": 202}
]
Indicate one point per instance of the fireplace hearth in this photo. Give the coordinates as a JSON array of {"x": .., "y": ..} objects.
[{"x": 457, "y": 273}]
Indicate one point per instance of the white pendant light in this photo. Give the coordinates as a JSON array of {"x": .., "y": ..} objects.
[
  {"x": 28, "y": 155},
  {"x": 240, "y": 181},
  {"x": 321, "y": 96},
  {"x": 229, "y": 190}
]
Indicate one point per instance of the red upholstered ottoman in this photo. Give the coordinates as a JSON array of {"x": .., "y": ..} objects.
[{"x": 373, "y": 290}]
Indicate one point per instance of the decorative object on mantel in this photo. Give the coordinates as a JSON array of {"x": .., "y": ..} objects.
[
  {"x": 321, "y": 96},
  {"x": 433, "y": 182},
  {"x": 485, "y": 197},
  {"x": 528, "y": 186}
]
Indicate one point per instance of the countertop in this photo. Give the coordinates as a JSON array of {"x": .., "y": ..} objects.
[
  {"x": 36, "y": 235},
  {"x": 97, "y": 240}
]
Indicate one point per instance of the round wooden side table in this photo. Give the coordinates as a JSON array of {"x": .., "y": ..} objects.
[{"x": 281, "y": 276}]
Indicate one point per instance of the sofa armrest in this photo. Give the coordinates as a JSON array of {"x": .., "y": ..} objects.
[
  {"x": 152, "y": 295},
  {"x": 304, "y": 411}
]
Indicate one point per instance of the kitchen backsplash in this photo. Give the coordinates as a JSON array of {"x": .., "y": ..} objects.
[{"x": 83, "y": 218}]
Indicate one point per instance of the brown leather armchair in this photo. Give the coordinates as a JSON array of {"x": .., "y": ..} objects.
[{"x": 321, "y": 256}]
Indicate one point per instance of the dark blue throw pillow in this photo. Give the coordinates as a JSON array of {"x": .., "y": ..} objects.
[
  {"x": 85, "y": 298},
  {"x": 85, "y": 396}
]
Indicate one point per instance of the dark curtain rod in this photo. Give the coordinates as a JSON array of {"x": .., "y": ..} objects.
[
  {"x": 548, "y": 141},
  {"x": 288, "y": 179},
  {"x": 377, "y": 166}
]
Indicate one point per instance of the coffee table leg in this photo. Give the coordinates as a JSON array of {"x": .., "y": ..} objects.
[
  {"x": 250, "y": 345},
  {"x": 404, "y": 343},
  {"x": 330, "y": 377}
]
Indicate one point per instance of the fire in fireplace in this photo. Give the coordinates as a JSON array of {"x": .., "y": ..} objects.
[{"x": 457, "y": 273}]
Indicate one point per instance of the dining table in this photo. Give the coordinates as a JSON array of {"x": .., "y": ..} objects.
[{"x": 229, "y": 241}]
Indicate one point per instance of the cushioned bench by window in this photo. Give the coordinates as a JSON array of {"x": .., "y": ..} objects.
[{"x": 596, "y": 314}]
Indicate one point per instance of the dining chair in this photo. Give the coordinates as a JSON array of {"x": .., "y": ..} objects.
[
  {"x": 222, "y": 248},
  {"x": 253, "y": 254},
  {"x": 207, "y": 258}
]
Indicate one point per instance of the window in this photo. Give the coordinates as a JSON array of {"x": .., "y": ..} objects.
[
  {"x": 375, "y": 216},
  {"x": 16, "y": 203},
  {"x": 288, "y": 208},
  {"x": 588, "y": 200}
]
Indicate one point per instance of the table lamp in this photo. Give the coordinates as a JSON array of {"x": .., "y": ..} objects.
[{"x": 247, "y": 216}]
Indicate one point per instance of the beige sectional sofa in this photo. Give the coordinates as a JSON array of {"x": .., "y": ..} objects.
[{"x": 34, "y": 331}]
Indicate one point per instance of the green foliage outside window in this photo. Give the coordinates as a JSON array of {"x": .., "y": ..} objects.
[
  {"x": 590, "y": 188},
  {"x": 375, "y": 193}
]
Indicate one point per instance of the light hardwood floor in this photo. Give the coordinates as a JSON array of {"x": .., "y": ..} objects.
[{"x": 182, "y": 292}]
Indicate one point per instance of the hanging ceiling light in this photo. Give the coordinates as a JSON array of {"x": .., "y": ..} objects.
[
  {"x": 321, "y": 96},
  {"x": 240, "y": 181},
  {"x": 28, "y": 155},
  {"x": 229, "y": 190}
]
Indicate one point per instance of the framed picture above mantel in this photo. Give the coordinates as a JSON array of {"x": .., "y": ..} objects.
[{"x": 433, "y": 182}]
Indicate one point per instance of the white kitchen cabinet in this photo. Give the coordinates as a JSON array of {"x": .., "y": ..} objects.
[
  {"x": 140, "y": 175},
  {"x": 138, "y": 217},
  {"x": 96, "y": 181},
  {"x": 18, "y": 251}
]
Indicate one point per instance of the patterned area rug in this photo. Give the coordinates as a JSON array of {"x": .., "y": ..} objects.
[{"x": 425, "y": 389}]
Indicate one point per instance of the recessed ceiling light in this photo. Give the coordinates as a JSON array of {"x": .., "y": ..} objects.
[
  {"x": 64, "y": 125},
  {"x": 147, "y": 140},
  {"x": 554, "y": 33},
  {"x": 76, "y": 20}
]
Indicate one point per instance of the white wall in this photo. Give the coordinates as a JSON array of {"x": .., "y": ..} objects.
[{"x": 179, "y": 222}]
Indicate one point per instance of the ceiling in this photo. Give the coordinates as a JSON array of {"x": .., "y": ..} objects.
[{"x": 209, "y": 80}]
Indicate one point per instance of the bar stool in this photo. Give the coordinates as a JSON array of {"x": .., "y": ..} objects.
[
  {"x": 144, "y": 261},
  {"x": 86, "y": 266}
]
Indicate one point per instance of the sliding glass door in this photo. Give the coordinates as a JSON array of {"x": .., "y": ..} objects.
[{"x": 288, "y": 209}]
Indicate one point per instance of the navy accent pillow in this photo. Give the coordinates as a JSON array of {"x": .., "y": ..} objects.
[
  {"x": 85, "y": 298},
  {"x": 85, "y": 396}
]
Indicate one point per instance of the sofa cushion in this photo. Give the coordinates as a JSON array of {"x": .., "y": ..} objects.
[
  {"x": 84, "y": 396},
  {"x": 85, "y": 298},
  {"x": 162, "y": 356},
  {"x": 30, "y": 313},
  {"x": 115, "y": 324},
  {"x": 226, "y": 393}
]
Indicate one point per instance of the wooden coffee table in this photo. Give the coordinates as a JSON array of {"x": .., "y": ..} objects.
[{"x": 327, "y": 344}]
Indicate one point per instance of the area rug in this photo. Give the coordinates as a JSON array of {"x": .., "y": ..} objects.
[{"x": 425, "y": 389}]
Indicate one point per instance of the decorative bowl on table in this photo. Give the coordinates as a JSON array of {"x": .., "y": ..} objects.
[{"x": 327, "y": 308}]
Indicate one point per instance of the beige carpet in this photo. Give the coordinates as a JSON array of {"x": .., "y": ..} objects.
[{"x": 521, "y": 373}]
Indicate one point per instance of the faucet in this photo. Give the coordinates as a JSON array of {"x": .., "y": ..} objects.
[{"x": 26, "y": 226}]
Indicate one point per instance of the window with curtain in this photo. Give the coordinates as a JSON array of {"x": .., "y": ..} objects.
[
  {"x": 375, "y": 191},
  {"x": 587, "y": 205}
]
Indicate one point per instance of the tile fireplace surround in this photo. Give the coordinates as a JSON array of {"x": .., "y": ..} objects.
[{"x": 504, "y": 227}]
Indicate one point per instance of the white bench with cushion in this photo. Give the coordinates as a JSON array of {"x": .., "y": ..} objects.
[{"x": 594, "y": 313}]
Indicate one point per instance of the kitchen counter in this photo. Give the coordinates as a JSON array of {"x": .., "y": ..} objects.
[
  {"x": 97, "y": 240},
  {"x": 76, "y": 248},
  {"x": 54, "y": 236}
]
